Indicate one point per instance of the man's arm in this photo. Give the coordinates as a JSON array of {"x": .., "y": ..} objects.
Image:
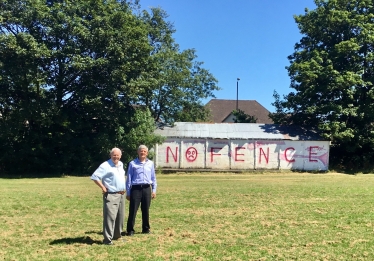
[
  {"x": 128, "y": 181},
  {"x": 97, "y": 176},
  {"x": 154, "y": 181},
  {"x": 100, "y": 184}
]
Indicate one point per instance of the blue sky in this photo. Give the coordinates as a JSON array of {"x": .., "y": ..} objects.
[{"x": 246, "y": 39}]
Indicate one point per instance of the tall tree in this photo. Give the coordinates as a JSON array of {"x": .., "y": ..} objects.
[
  {"x": 332, "y": 76},
  {"x": 80, "y": 77},
  {"x": 64, "y": 69},
  {"x": 174, "y": 83}
]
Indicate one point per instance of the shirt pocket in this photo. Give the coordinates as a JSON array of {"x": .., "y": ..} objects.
[{"x": 139, "y": 169}]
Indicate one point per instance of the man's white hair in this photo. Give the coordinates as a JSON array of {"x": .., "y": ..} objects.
[
  {"x": 142, "y": 147},
  {"x": 115, "y": 149}
]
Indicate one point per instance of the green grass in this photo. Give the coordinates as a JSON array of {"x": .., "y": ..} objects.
[{"x": 220, "y": 216}]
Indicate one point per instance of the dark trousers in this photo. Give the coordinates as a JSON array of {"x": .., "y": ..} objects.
[{"x": 139, "y": 196}]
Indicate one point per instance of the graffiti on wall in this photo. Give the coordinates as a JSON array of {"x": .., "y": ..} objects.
[{"x": 242, "y": 154}]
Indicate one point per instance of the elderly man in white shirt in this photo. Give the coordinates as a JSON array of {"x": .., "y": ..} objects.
[{"x": 110, "y": 177}]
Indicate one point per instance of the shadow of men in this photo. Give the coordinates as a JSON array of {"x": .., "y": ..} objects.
[
  {"x": 94, "y": 232},
  {"x": 73, "y": 240}
]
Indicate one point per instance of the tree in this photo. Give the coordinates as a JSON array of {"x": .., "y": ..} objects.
[
  {"x": 332, "y": 75},
  {"x": 141, "y": 128},
  {"x": 242, "y": 117},
  {"x": 64, "y": 70},
  {"x": 80, "y": 77},
  {"x": 174, "y": 83}
]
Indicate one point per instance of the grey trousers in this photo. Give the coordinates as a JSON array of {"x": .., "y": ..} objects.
[{"x": 113, "y": 216}]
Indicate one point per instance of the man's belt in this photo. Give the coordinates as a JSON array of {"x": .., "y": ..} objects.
[
  {"x": 117, "y": 192},
  {"x": 141, "y": 186}
]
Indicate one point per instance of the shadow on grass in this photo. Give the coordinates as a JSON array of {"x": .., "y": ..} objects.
[
  {"x": 94, "y": 232},
  {"x": 123, "y": 233},
  {"x": 75, "y": 240}
]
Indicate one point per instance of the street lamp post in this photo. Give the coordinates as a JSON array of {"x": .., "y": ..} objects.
[{"x": 237, "y": 92}]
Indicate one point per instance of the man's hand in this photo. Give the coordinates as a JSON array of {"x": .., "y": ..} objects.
[{"x": 153, "y": 195}]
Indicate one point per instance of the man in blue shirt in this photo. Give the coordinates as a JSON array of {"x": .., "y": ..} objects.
[
  {"x": 141, "y": 188},
  {"x": 110, "y": 177}
]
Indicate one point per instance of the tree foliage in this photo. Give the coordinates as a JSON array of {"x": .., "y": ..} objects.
[
  {"x": 80, "y": 77},
  {"x": 332, "y": 75},
  {"x": 242, "y": 117},
  {"x": 174, "y": 84}
]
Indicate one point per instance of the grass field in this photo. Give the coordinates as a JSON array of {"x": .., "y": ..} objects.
[{"x": 220, "y": 216}]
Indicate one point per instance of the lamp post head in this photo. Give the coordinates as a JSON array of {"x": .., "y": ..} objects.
[{"x": 237, "y": 95}]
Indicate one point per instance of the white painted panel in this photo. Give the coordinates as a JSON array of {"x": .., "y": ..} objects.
[
  {"x": 267, "y": 154},
  {"x": 217, "y": 155},
  {"x": 291, "y": 155},
  {"x": 242, "y": 154},
  {"x": 316, "y": 155},
  {"x": 193, "y": 153},
  {"x": 169, "y": 154}
]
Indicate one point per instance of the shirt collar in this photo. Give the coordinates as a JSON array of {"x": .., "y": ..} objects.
[
  {"x": 138, "y": 161},
  {"x": 111, "y": 163}
]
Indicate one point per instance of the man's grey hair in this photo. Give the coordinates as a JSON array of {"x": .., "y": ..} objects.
[
  {"x": 114, "y": 149},
  {"x": 142, "y": 147}
]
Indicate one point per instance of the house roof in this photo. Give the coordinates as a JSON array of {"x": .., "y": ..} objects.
[
  {"x": 220, "y": 109},
  {"x": 240, "y": 131}
]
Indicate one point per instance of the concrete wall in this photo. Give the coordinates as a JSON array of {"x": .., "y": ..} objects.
[{"x": 242, "y": 154}]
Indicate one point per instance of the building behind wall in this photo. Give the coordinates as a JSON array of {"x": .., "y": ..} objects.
[
  {"x": 221, "y": 110},
  {"x": 241, "y": 146}
]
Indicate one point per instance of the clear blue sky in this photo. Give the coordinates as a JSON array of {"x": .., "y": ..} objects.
[{"x": 246, "y": 39}]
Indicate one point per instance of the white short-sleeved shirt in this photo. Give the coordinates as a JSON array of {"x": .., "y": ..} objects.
[{"x": 112, "y": 176}]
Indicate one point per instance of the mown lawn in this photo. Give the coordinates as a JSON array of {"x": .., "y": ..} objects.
[{"x": 220, "y": 216}]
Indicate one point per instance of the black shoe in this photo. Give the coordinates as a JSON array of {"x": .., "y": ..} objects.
[
  {"x": 130, "y": 234},
  {"x": 146, "y": 232},
  {"x": 108, "y": 243}
]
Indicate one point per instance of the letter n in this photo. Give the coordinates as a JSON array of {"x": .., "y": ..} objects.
[
  {"x": 175, "y": 156},
  {"x": 262, "y": 152}
]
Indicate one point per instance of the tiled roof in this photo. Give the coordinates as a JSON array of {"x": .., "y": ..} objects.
[{"x": 220, "y": 109}]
